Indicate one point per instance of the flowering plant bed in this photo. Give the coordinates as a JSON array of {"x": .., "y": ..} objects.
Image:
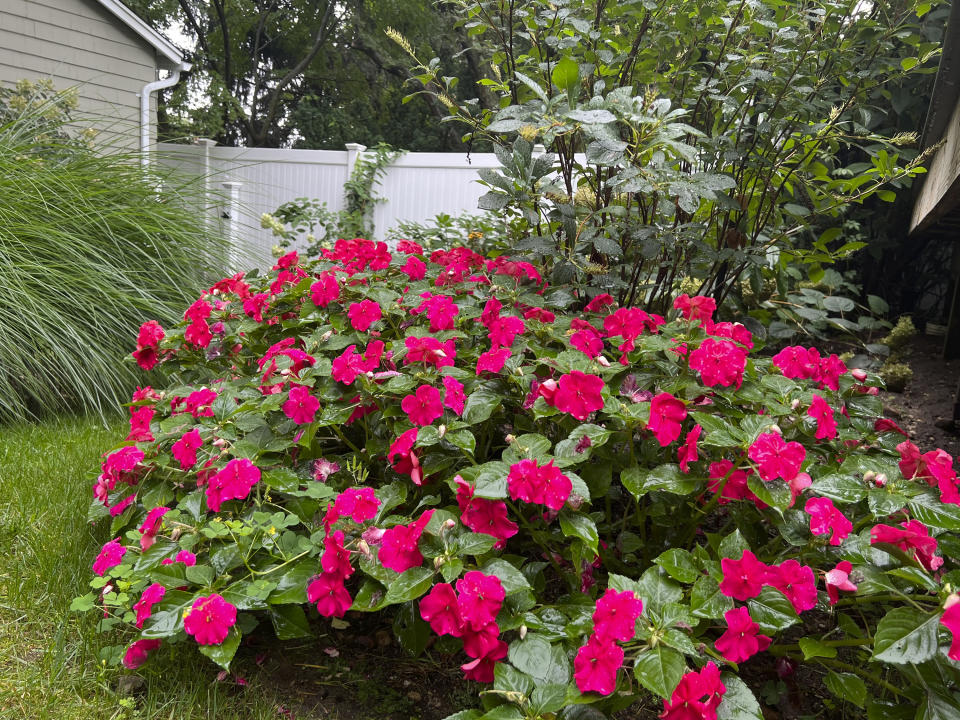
[{"x": 579, "y": 508}]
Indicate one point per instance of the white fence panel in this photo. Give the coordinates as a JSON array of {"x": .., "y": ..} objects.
[{"x": 415, "y": 187}]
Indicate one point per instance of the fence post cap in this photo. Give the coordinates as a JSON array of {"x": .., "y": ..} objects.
[{"x": 355, "y": 147}]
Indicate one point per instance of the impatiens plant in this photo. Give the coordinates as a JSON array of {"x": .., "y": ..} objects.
[{"x": 576, "y": 507}]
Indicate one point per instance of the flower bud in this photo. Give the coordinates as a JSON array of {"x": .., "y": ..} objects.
[
  {"x": 363, "y": 548},
  {"x": 574, "y": 501},
  {"x": 449, "y": 524},
  {"x": 442, "y": 430},
  {"x": 523, "y": 631},
  {"x": 775, "y": 428},
  {"x": 881, "y": 480},
  {"x": 785, "y": 668},
  {"x": 795, "y": 404},
  {"x": 952, "y": 599},
  {"x": 439, "y": 562},
  {"x": 858, "y": 374},
  {"x": 869, "y": 476},
  {"x": 509, "y": 439},
  {"x": 602, "y": 361}
]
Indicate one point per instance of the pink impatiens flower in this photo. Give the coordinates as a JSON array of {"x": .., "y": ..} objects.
[
  {"x": 826, "y": 519},
  {"x": 330, "y": 595},
  {"x": 301, "y": 406},
  {"x": 484, "y": 516},
  {"x": 430, "y": 351},
  {"x": 414, "y": 268},
  {"x": 184, "y": 556},
  {"x": 698, "y": 307},
  {"x": 325, "y": 290},
  {"x": 253, "y": 307},
  {"x": 616, "y": 614},
  {"x": 151, "y": 526},
  {"x": 775, "y": 457},
  {"x": 741, "y": 640},
  {"x": 821, "y": 411},
  {"x": 234, "y": 482},
  {"x": 596, "y": 664},
  {"x": 209, "y": 619},
  {"x": 480, "y": 598},
  {"x": 147, "y": 342},
  {"x": 719, "y": 362},
  {"x": 839, "y": 579},
  {"x": 364, "y": 314},
  {"x": 493, "y": 360},
  {"x": 666, "y": 415},
  {"x": 423, "y": 406},
  {"x": 696, "y": 697},
  {"x": 797, "y": 582},
  {"x": 453, "y": 396},
  {"x": 688, "y": 451},
  {"x": 136, "y": 654},
  {"x": 111, "y": 554},
  {"x": 951, "y": 620},
  {"x": 439, "y": 608},
  {"x": 144, "y": 606},
  {"x": 140, "y": 418},
  {"x": 404, "y": 459},
  {"x": 185, "y": 449},
  {"x": 398, "y": 547},
  {"x": 578, "y": 394},
  {"x": 543, "y": 484},
  {"x": 744, "y": 578},
  {"x": 913, "y": 537}
]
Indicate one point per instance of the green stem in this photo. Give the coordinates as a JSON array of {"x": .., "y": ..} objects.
[{"x": 875, "y": 679}]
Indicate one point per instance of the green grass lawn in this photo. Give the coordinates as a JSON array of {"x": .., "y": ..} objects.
[{"x": 49, "y": 664}]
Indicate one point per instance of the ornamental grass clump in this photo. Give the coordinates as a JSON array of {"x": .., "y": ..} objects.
[
  {"x": 91, "y": 247},
  {"x": 587, "y": 507}
]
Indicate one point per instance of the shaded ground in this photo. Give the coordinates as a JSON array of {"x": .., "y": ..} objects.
[{"x": 925, "y": 408}]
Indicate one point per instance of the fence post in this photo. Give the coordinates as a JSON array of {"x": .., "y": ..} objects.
[
  {"x": 353, "y": 152},
  {"x": 232, "y": 216},
  {"x": 209, "y": 205}
]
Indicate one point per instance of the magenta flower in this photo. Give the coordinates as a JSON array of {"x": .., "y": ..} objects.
[
  {"x": 484, "y": 516},
  {"x": 826, "y": 519},
  {"x": 440, "y": 310},
  {"x": 301, "y": 406},
  {"x": 144, "y": 606},
  {"x": 796, "y": 582},
  {"x": 253, "y": 307},
  {"x": 148, "y": 340},
  {"x": 913, "y": 537},
  {"x": 330, "y": 595},
  {"x": 542, "y": 484},
  {"x": 666, "y": 415},
  {"x": 336, "y": 558},
  {"x": 600, "y": 303},
  {"x": 775, "y": 457},
  {"x": 951, "y": 621},
  {"x": 209, "y": 619},
  {"x": 184, "y": 556},
  {"x": 323, "y": 468},
  {"x": 744, "y": 578},
  {"x": 431, "y": 351},
  {"x": 696, "y": 697},
  {"x": 578, "y": 394},
  {"x": 199, "y": 403},
  {"x": 424, "y": 406},
  {"x": 439, "y": 608},
  {"x": 735, "y": 486},
  {"x": 698, "y": 307},
  {"x": 136, "y": 654},
  {"x": 839, "y": 579},
  {"x": 480, "y": 598},
  {"x": 185, "y": 449},
  {"x": 140, "y": 418},
  {"x": 493, "y": 360},
  {"x": 364, "y": 314},
  {"x": 234, "y": 482},
  {"x": 325, "y": 290},
  {"x": 821, "y": 411},
  {"x": 616, "y": 614},
  {"x": 414, "y": 268},
  {"x": 688, "y": 451},
  {"x": 798, "y": 362},
  {"x": 111, "y": 554},
  {"x": 359, "y": 504},
  {"x": 596, "y": 664},
  {"x": 719, "y": 362},
  {"x": 151, "y": 526},
  {"x": 741, "y": 640},
  {"x": 398, "y": 547},
  {"x": 503, "y": 330},
  {"x": 453, "y": 396},
  {"x": 586, "y": 338}
]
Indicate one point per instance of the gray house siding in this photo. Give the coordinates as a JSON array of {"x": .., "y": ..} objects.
[{"x": 78, "y": 42}]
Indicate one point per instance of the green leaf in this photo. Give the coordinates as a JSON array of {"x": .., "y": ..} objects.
[
  {"x": 463, "y": 439},
  {"x": 639, "y": 481},
  {"x": 566, "y": 74},
  {"x": 410, "y": 585},
  {"x": 930, "y": 510},
  {"x": 292, "y": 584},
  {"x": 289, "y": 622},
  {"x": 83, "y": 603},
  {"x": 548, "y": 698},
  {"x": 657, "y": 589},
  {"x": 537, "y": 658},
  {"x": 772, "y": 611},
  {"x": 532, "y": 446},
  {"x": 905, "y": 636},
  {"x": 475, "y": 543},
  {"x": 591, "y": 117},
  {"x": 775, "y": 493},
  {"x": 847, "y": 686},
  {"x": 480, "y": 406},
  {"x": 512, "y": 579},
  {"x": 579, "y": 525},
  {"x": 738, "y": 702},
  {"x": 908, "y": 63},
  {"x": 659, "y": 670},
  {"x": 814, "y": 647},
  {"x": 508, "y": 679},
  {"x": 223, "y": 653},
  {"x": 200, "y": 574},
  {"x": 679, "y": 564},
  {"x": 706, "y": 600},
  {"x": 839, "y": 488}
]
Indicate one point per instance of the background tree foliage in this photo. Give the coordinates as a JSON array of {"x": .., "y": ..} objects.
[{"x": 309, "y": 73}]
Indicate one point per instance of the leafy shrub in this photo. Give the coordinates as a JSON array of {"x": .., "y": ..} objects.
[
  {"x": 706, "y": 138},
  {"x": 90, "y": 249},
  {"x": 482, "y": 232},
  {"x": 594, "y": 507}
]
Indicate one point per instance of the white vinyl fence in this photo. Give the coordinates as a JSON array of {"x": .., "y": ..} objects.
[{"x": 244, "y": 183}]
